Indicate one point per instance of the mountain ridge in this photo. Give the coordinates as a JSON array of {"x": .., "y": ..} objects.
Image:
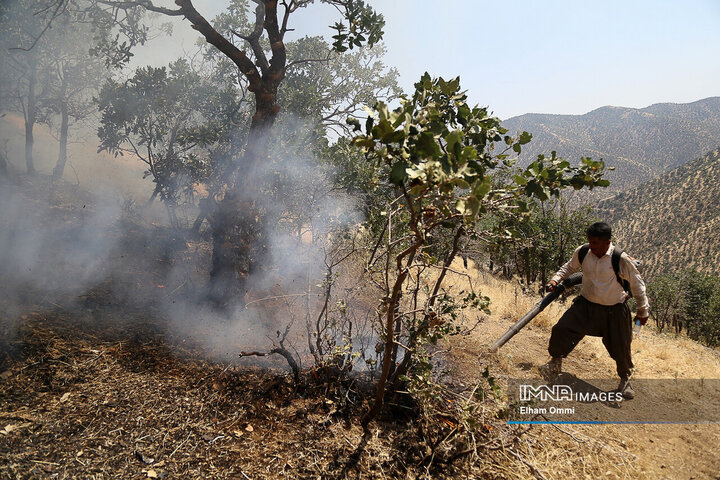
[
  {"x": 715, "y": 99},
  {"x": 640, "y": 143}
]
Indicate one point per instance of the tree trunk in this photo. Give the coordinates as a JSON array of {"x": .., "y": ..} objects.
[
  {"x": 64, "y": 124},
  {"x": 155, "y": 193},
  {"x": 30, "y": 118},
  {"x": 402, "y": 369},
  {"x": 3, "y": 166},
  {"x": 62, "y": 155},
  {"x": 237, "y": 223}
]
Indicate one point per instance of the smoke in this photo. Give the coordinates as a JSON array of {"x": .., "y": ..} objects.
[
  {"x": 303, "y": 210},
  {"x": 50, "y": 249},
  {"x": 88, "y": 247},
  {"x": 97, "y": 255}
]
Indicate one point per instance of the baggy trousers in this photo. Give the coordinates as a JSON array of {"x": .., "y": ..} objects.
[{"x": 611, "y": 322}]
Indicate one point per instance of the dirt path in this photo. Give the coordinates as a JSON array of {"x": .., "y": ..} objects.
[{"x": 624, "y": 451}]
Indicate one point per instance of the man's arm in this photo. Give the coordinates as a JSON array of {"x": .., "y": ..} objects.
[
  {"x": 570, "y": 267},
  {"x": 629, "y": 272}
]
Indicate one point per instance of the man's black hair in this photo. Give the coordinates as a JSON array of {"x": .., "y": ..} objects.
[{"x": 599, "y": 230}]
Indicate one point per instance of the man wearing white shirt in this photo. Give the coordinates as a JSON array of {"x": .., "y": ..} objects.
[{"x": 601, "y": 309}]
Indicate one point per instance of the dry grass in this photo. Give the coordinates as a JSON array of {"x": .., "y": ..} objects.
[
  {"x": 116, "y": 399},
  {"x": 589, "y": 451}
]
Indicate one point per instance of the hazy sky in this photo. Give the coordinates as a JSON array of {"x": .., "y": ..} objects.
[{"x": 534, "y": 56}]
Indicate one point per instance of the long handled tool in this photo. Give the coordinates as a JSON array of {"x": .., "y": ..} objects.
[{"x": 571, "y": 281}]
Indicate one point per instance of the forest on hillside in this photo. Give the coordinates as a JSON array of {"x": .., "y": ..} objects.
[
  {"x": 672, "y": 220},
  {"x": 639, "y": 143}
]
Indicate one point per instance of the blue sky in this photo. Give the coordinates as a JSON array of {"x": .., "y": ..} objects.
[{"x": 538, "y": 56}]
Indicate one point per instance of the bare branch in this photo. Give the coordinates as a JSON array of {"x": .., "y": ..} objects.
[
  {"x": 146, "y": 4},
  {"x": 289, "y": 8},
  {"x": 259, "y": 21},
  {"x": 61, "y": 5},
  {"x": 199, "y": 23},
  {"x": 280, "y": 351},
  {"x": 279, "y": 55},
  {"x": 254, "y": 37}
]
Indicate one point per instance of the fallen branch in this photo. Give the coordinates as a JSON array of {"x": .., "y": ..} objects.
[
  {"x": 275, "y": 297},
  {"x": 280, "y": 351}
]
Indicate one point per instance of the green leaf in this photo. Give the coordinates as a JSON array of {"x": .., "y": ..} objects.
[
  {"x": 382, "y": 128},
  {"x": 520, "y": 180},
  {"x": 460, "y": 183},
  {"x": 524, "y": 138},
  {"x": 452, "y": 139},
  {"x": 369, "y": 124},
  {"x": 393, "y": 137},
  {"x": 473, "y": 206},
  {"x": 398, "y": 173},
  {"x": 354, "y": 122},
  {"x": 426, "y": 146},
  {"x": 468, "y": 154},
  {"x": 482, "y": 188},
  {"x": 382, "y": 110},
  {"x": 364, "y": 142},
  {"x": 418, "y": 189}
]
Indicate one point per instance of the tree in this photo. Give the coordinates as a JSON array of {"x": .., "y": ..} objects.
[
  {"x": 75, "y": 76},
  {"x": 25, "y": 64},
  {"x": 668, "y": 296},
  {"x": 57, "y": 54},
  {"x": 438, "y": 154},
  {"x": 317, "y": 98},
  {"x": 325, "y": 88},
  {"x": 689, "y": 300},
  {"x": 236, "y": 221},
  {"x": 537, "y": 241},
  {"x": 702, "y": 313},
  {"x": 165, "y": 117}
]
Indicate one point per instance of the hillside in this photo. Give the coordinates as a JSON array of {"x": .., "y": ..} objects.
[
  {"x": 599, "y": 451},
  {"x": 671, "y": 222},
  {"x": 118, "y": 399},
  {"x": 639, "y": 143},
  {"x": 102, "y": 383}
]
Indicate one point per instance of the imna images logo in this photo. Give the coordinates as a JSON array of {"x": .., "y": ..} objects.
[
  {"x": 546, "y": 393},
  {"x": 558, "y": 393}
]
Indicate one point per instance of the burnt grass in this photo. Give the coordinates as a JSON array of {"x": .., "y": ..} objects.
[
  {"x": 86, "y": 399},
  {"x": 95, "y": 385}
]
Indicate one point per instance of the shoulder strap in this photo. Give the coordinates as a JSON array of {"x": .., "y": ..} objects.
[
  {"x": 615, "y": 260},
  {"x": 583, "y": 252}
]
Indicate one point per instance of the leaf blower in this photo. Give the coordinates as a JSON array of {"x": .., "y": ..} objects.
[{"x": 571, "y": 281}]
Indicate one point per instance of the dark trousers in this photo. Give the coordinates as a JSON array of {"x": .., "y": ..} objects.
[{"x": 611, "y": 322}]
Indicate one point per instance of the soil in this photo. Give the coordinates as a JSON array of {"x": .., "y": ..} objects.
[
  {"x": 644, "y": 451},
  {"x": 100, "y": 383},
  {"x": 93, "y": 385}
]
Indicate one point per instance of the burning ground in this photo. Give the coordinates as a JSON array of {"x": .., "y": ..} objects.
[
  {"x": 100, "y": 379},
  {"x": 109, "y": 371}
]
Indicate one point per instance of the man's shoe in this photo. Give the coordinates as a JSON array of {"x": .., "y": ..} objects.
[
  {"x": 551, "y": 369},
  {"x": 626, "y": 389}
]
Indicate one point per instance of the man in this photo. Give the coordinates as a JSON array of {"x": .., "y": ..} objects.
[{"x": 601, "y": 309}]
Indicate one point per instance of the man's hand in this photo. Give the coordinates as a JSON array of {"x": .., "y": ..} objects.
[
  {"x": 642, "y": 320},
  {"x": 551, "y": 286}
]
